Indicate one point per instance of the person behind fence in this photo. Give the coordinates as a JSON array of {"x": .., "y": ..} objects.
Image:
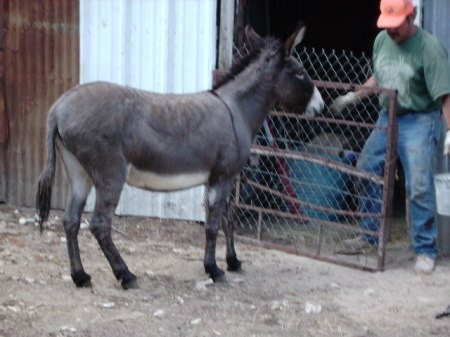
[{"x": 410, "y": 60}]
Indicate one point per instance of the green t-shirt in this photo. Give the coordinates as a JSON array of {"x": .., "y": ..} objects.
[{"x": 417, "y": 68}]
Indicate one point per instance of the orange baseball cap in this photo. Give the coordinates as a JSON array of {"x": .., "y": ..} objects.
[{"x": 394, "y": 12}]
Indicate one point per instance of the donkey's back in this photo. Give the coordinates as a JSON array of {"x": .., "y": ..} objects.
[{"x": 158, "y": 141}]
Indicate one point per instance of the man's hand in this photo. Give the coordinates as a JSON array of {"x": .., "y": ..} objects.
[
  {"x": 447, "y": 144},
  {"x": 344, "y": 101}
]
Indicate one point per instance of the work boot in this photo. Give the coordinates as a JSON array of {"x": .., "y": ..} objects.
[
  {"x": 424, "y": 264},
  {"x": 355, "y": 246}
]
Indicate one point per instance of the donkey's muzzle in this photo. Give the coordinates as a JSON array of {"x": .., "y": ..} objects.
[{"x": 315, "y": 105}]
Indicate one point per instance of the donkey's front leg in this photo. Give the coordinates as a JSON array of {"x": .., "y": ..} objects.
[
  {"x": 228, "y": 228},
  {"x": 212, "y": 229},
  {"x": 218, "y": 194}
]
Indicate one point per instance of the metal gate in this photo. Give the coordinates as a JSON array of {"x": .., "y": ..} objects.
[{"x": 299, "y": 192}]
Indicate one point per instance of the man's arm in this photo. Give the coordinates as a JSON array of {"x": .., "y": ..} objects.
[
  {"x": 354, "y": 97},
  {"x": 371, "y": 83}
]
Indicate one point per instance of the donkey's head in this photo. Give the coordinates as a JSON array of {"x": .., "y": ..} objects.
[{"x": 294, "y": 89}]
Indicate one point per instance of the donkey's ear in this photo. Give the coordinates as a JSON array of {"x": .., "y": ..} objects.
[
  {"x": 254, "y": 41},
  {"x": 296, "y": 37}
]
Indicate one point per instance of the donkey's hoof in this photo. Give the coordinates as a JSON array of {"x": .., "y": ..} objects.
[
  {"x": 82, "y": 280},
  {"x": 218, "y": 276},
  {"x": 130, "y": 282},
  {"x": 84, "y": 284},
  {"x": 234, "y": 265},
  {"x": 215, "y": 273}
]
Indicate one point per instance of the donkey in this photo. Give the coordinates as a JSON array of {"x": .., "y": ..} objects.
[{"x": 107, "y": 135}]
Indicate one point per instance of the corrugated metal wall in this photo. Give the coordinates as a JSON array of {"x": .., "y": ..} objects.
[
  {"x": 436, "y": 19},
  {"x": 418, "y": 4},
  {"x": 156, "y": 45},
  {"x": 4, "y": 127},
  {"x": 40, "y": 62},
  {"x": 436, "y": 14}
]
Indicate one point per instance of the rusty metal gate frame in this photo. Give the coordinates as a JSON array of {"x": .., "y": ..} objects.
[{"x": 387, "y": 181}]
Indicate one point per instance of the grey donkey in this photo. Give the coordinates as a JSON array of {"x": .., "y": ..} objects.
[{"x": 107, "y": 135}]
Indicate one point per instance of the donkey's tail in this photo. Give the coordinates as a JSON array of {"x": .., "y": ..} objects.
[{"x": 44, "y": 191}]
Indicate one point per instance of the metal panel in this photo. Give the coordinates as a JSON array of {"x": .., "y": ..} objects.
[
  {"x": 40, "y": 63},
  {"x": 4, "y": 126},
  {"x": 156, "y": 45},
  {"x": 436, "y": 15},
  {"x": 418, "y": 4}
]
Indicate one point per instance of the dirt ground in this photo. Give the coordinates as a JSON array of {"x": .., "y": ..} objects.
[{"x": 277, "y": 294}]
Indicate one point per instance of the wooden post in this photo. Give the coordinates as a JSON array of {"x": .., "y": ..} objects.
[{"x": 225, "y": 52}]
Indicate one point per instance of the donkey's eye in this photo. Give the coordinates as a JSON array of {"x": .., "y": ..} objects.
[{"x": 301, "y": 76}]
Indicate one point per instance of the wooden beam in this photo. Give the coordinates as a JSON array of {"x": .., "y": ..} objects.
[{"x": 225, "y": 51}]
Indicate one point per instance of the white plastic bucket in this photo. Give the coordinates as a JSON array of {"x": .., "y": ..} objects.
[{"x": 442, "y": 185}]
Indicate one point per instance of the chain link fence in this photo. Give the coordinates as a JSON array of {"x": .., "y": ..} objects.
[{"x": 301, "y": 189}]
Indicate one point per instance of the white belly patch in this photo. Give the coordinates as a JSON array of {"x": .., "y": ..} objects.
[{"x": 165, "y": 182}]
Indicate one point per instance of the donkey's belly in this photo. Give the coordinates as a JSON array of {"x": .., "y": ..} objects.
[{"x": 165, "y": 182}]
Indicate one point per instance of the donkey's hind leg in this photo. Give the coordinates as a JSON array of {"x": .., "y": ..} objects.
[
  {"x": 80, "y": 185},
  {"x": 228, "y": 228},
  {"x": 106, "y": 201}
]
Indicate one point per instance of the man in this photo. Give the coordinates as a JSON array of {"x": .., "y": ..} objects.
[{"x": 413, "y": 62}]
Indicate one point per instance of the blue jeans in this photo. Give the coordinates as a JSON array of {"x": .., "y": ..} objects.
[{"x": 418, "y": 135}]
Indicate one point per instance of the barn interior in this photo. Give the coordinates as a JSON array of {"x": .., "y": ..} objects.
[
  {"x": 331, "y": 24},
  {"x": 348, "y": 26}
]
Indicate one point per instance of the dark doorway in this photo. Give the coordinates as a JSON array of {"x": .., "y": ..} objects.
[{"x": 331, "y": 24}]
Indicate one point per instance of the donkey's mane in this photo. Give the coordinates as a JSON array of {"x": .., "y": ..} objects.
[{"x": 239, "y": 64}]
